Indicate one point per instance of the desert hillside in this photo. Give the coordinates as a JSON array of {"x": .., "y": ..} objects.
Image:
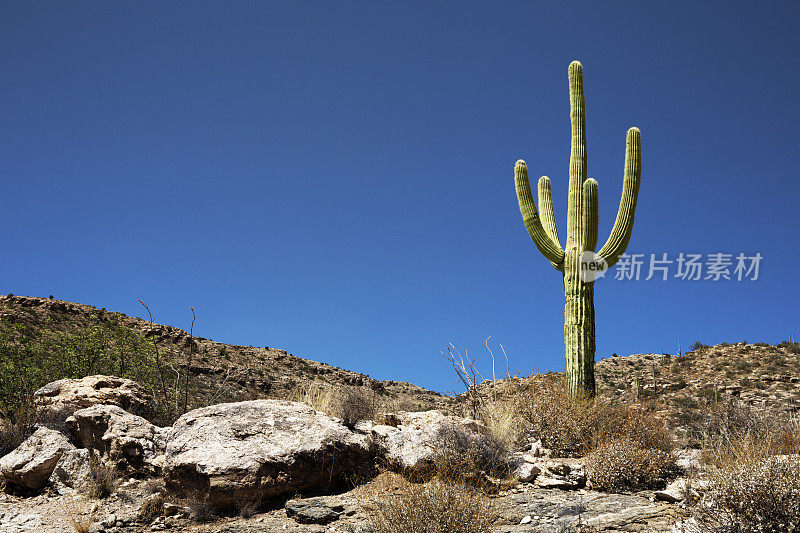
[{"x": 217, "y": 372}]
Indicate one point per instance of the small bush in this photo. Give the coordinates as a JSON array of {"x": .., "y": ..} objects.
[
  {"x": 623, "y": 463},
  {"x": 201, "y": 508},
  {"x": 351, "y": 404},
  {"x": 760, "y": 496},
  {"x": 395, "y": 505},
  {"x": 462, "y": 453},
  {"x": 355, "y": 405},
  {"x": 562, "y": 423}
]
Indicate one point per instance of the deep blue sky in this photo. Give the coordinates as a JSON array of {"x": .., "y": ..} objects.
[{"x": 336, "y": 178}]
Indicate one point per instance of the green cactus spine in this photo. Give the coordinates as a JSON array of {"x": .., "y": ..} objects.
[{"x": 579, "y": 340}]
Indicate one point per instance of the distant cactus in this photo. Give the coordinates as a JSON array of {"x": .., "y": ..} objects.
[{"x": 579, "y": 339}]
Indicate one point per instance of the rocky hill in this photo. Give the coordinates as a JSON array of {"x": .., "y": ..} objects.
[
  {"x": 759, "y": 375},
  {"x": 218, "y": 372}
]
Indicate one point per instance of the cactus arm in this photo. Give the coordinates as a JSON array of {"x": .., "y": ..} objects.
[
  {"x": 551, "y": 250},
  {"x": 589, "y": 215},
  {"x": 546, "y": 209},
  {"x": 577, "y": 156},
  {"x": 621, "y": 232}
]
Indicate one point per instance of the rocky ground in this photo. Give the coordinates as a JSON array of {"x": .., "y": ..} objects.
[{"x": 261, "y": 465}]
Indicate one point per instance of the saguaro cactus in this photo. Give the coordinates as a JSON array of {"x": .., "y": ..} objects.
[{"x": 579, "y": 341}]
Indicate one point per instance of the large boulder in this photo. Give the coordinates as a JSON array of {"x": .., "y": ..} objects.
[
  {"x": 58, "y": 400},
  {"x": 130, "y": 441},
  {"x": 32, "y": 463},
  {"x": 414, "y": 442},
  {"x": 261, "y": 449}
]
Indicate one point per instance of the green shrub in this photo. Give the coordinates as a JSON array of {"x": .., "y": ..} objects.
[{"x": 31, "y": 358}]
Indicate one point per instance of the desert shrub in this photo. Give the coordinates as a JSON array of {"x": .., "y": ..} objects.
[
  {"x": 623, "y": 463},
  {"x": 572, "y": 426},
  {"x": 396, "y": 505},
  {"x": 561, "y": 422},
  {"x": 758, "y": 496},
  {"x": 351, "y": 404},
  {"x": 698, "y": 346},
  {"x": 355, "y": 405},
  {"x": 462, "y": 453},
  {"x": 730, "y": 429},
  {"x": 103, "y": 478}
]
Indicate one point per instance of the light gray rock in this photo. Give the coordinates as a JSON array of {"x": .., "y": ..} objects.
[
  {"x": 261, "y": 449},
  {"x": 527, "y": 472},
  {"x": 674, "y": 492},
  {"x": 32, "y": 463},
  {"x": 58, "y": 400},
  {"x": 72, "y": 470},
  {"x": 560, "y": 475},
  {"x": 538, "y": 450},
  {"x": 556, "y": 511},
  {"x": 128, "y": 440},
  {"x": 412, "y": 444}
]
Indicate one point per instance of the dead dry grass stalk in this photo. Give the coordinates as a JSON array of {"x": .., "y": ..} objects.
[{"x": 79, "y": 513}]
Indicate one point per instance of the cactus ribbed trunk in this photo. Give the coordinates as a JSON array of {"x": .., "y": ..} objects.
[
  {"x": 579, "y": 346},
  {"x": 579, "y": 335}
]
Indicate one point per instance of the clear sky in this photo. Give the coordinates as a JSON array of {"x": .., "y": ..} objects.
[{"x": 336, "y": 178}]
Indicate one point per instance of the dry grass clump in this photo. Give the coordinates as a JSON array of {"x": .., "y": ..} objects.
[
  {"x": 396, "y": 505},
  {"x": 504, "y": 421},
  {"x": 351, "y": 404},
  {"x": 319, "y": 397},
  {"x": 103, "y": 478},
  {"x": 19, "y": 426},
  {"x": 623, "y": 463},
  {"x": 79, "y": 513}
]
